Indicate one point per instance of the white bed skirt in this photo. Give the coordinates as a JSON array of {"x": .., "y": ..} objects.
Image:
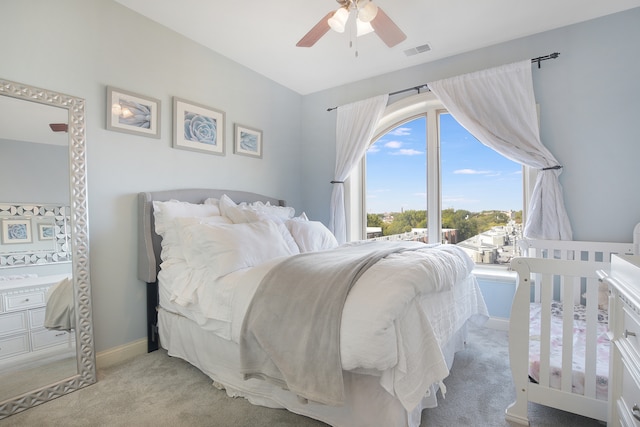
[{"x": 367, "y": 403}]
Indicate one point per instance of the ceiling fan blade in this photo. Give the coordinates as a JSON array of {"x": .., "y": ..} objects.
[
  {"x": 59, "y": 127},
  {"x": 386, "y": 29},
  {"x": 319, "y": 30}
]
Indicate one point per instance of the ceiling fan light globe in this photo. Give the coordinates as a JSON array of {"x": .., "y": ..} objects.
[
  {"x": 363, "y": 28},
  {"x": 339, "y": 20},
  {"x": 368, "y": 12}
]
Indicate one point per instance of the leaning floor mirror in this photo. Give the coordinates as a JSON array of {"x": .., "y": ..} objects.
[{"x": 46, "y": 329}]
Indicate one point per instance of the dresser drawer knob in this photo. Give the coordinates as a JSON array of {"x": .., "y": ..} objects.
[
  {"x": 636, "y": 411},
  {"x": 628, "y": 334}
]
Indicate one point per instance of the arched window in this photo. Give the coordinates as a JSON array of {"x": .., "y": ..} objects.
[{"x": 425, "y": 177}]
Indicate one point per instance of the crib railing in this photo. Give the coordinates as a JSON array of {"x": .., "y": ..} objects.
[
  {"x": 570, "y": 250},
  {"x": 557, "y": 271}
]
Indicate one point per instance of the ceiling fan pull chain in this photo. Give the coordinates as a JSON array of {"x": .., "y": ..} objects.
[{"x": 353, "y": 33}]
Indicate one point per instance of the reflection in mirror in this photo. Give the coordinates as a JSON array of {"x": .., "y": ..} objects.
[
  {"x": 46, "y": 334},
  {"x": 33, "y": 234}
]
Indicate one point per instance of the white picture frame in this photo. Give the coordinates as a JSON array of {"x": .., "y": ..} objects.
[{"x": 16, "y": 231}]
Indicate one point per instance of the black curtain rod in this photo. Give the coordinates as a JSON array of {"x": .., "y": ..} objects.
[{"x": 537, "y": 60}]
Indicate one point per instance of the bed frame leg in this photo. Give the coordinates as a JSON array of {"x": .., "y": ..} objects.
[{"x": 152, "y": 317}]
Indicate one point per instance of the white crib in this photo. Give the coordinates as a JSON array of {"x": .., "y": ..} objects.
[{"x": 551, "y": 274}]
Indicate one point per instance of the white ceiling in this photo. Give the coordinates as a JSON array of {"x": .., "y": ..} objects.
[{"x": 262, "y": 34}]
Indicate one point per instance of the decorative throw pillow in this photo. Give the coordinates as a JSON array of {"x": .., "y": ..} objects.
[
  {"x": 251, "y": 212},
  {"x": 311, "y": 235},
  {"x": 165, "y": 214},
  {"x": 225, "y": 248}
]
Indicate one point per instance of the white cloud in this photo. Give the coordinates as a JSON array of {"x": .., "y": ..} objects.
[
  {"x": 393, "y": 144},
  {"x": 471, "y": 172},
  {"x": 407, "y": 152},
  {"x": 400, "y": 131}
]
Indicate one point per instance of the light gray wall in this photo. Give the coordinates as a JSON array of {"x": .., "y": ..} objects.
[
  {"x": 79, "y": 47},
  {"x": 34, "y": 173},
  {"x": 589, "y": 100},
  {"x": 589, "y": 103}
]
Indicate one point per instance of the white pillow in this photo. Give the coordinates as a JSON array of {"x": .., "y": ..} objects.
[
  {"x": 235, "y": 213},
  {"x": 171, "y": 238},
  {"x": 301, "y": 217},
  {"x": 287, "y": 237},
  {"x": 225, "y": 248},
  {"x": 165, "y": 212},
  {"x": 256, "y": 211},
  {"x": 311, "y": 235}
]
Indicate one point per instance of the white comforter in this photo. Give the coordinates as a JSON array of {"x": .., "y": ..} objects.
[{"x": 395, "y": 319}]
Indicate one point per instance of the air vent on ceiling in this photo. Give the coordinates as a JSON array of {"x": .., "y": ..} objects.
[{"x": 418, "y": 49}]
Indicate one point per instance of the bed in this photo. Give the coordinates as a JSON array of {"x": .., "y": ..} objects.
[
  {"x": 558, "y": 325},
  {"x": 392, "y": 346},
  {"x": 59, "y": 313}
]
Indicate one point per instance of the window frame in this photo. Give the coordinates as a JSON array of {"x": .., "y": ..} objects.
[{"x": 395, "y": 114}]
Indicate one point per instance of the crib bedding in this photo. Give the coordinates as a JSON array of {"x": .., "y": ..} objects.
[{"x": 579, "y": 347}]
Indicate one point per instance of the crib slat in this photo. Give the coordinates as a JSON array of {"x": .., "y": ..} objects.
[
  {"x": 546, "y": 296},
  {"x": 569, "y": 286},
  {"x": 591, "y": 351}
]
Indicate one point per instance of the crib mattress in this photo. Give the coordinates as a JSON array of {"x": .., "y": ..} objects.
[{"x": 579, "y": 349}]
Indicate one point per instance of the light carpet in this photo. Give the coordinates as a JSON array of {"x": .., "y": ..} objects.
[{"x": 158, "y": 390}]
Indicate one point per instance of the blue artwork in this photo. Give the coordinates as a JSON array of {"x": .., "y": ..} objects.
[
  {"x": 134, "y": 114},
  {"x": 17, "y": 232},
  {"x": 199, "y": 128},
  {"x": 249, "y": 142},
  {"x": 46, "y": 232}
]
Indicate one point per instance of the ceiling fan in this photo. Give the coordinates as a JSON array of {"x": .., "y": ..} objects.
[
  {"x": 369, "y": 17},
  {"x": 59, "y": 127}
]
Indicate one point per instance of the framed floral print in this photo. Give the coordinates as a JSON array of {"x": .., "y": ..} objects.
[
  {"x": 248, "y": 141},
  {"x": 198, "y": 127},
  {"x": 131, "y": 113},
  {"x": 16, "y": 231}
]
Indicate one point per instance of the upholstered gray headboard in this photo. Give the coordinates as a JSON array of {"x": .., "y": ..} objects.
[{"x": 149, "y": 242}]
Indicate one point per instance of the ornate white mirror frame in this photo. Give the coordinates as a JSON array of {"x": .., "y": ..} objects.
[{"x": 79, "y": 246}]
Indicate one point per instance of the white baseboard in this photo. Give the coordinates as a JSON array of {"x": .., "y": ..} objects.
[
  {"x": 113, "y": 356},
  {"x": 497, "y": 323}
]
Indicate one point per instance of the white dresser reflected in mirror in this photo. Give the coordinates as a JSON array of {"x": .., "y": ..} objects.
[{"x": 33, "y": 350}]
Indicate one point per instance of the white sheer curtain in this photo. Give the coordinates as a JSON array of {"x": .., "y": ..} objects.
[
  {"x": 498, "y": 107},
  {"x": 354, "y": 130}
]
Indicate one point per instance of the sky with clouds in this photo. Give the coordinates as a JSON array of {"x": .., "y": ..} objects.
[{"x": 474, "y": 177}]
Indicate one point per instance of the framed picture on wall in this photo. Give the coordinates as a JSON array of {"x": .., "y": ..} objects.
[
  {"x": 46, "y": 231},
  {"x": 16, "y": 231},
  {"x": 131, "y": 113},
  {"x": 197, "y": 127},
  {"x": 247, "y": 141}
]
